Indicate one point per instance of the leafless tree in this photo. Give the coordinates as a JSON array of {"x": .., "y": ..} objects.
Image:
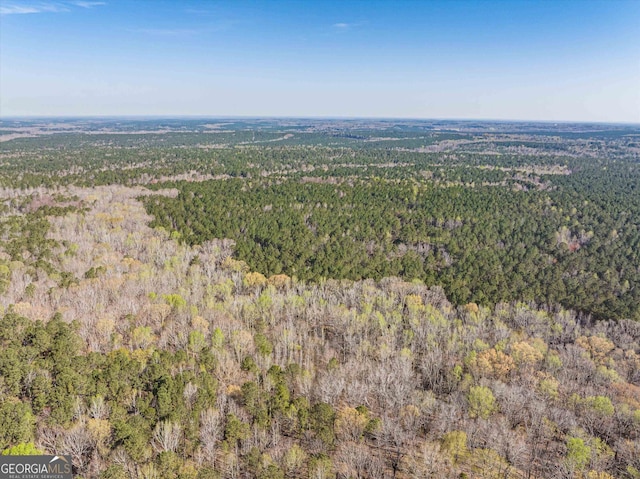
[
  {"x": 210, "y": 431},
  {"x": 166, "y": 436},
  {"x": 354, "y": 460},
  {"x": 77, "y": 443}
]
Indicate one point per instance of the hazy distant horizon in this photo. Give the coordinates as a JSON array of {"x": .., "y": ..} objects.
[
  {"x": 569, "y": 61},
  {"x": 317, "y": 118}
]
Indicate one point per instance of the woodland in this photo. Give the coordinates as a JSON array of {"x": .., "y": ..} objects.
[{"x": 321, "y": 299}]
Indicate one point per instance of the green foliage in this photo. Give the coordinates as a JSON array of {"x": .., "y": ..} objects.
[
  {"x": 22, "y": 449},
  {"x": 30, "y": 290},
  {"x": 174, "y": 300},
  {"x": 142, "y": 337},
  {"x": 235, "y": 430},
  {"x": 168, "y": 464},
  {"x": 217, "y": 339},
  {"x": 134, "y": 434},
  {"x": 263, "y": 345},
  {"x": 302, "y": 409},
  {"x": 251, "y": 396},
  {"x": 321, "y": 467},
  {"x": 17, "y": 423},
  {"x": 482, "y": 403},
  {"x": 249, "y": 365},
  {"x": 455, "y": 443},
  {"x": 601, "y": 405},
  {"x": 293, "y": 460},
  {"x": 196, "y": 342},
  {"x": 207, "y": 472},
  {"x": 5, "y": 277},
  {"x": 633, "y": 472},
  {"x": 333, "y": 364},
  {"x": 578, "y": 453},
  {"x": 114, "y": 471},
  {"x": 95, "y": 272},
  {"x": 279, "y": 401},
  {"x": 271, "y": 472},
  {"x": 445, "y": 236},
  {"x": 322, "y": 419}
]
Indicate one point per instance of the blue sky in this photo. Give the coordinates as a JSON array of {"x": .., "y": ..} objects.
[{"x": 532, "y": 60}]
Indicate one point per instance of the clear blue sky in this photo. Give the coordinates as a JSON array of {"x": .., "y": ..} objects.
[{"x": 509, "y": 59}]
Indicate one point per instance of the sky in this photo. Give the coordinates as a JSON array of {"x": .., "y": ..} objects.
[{"x": 551, "y": 60}]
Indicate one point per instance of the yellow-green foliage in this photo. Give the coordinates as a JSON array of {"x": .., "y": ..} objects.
[
  {"x": 548, "y": 386},
  {"x": 578, "y": 453},
  {"x": 482, "y": 403},
  {"x": 600, "y": 404},
  {"x": 22, "y": 449},
  {"x": 174, "y": 300},
  {"x": 455, "y": 444}
]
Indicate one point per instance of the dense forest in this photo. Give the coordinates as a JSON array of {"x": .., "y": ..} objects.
[
  {"x": 321, "y": 299},
  {"x": 484, "y": 244}
]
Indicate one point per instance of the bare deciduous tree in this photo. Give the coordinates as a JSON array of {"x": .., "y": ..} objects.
[{"x": 166, "y": 436}]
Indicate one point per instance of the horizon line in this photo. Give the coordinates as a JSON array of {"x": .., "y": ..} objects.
[{"x": 311, "y": 117}]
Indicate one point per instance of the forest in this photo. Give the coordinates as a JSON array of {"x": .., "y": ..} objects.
[{"x": 321, "y": 299}]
